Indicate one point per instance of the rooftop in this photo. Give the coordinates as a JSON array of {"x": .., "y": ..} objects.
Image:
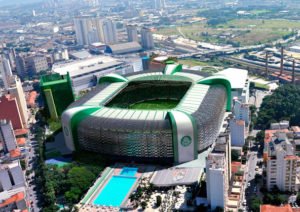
[
  {"x": 237, "y": 77},
  {"x": 272, "y": 208},
  {"x": 85, "y": 66}
]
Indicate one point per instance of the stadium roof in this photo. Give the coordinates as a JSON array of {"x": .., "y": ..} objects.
[
  {"x": 237, "y": 77},
  {"x": 189, "y": 103}
]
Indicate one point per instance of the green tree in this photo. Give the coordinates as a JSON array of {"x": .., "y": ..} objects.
[
  {"x": 143, "y": 205},
  {"x": 234, "y": 155},
  {"x": 255, "y": 204},
  {"x": 158, "y": 201},
  {"x": 79, "y": 180},
  {"x": 283, "y": 104}
]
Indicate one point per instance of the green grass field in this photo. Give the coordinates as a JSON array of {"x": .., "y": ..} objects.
[
  {"x": 242, "y": 31},
  {"x": 155, "y": 105}
]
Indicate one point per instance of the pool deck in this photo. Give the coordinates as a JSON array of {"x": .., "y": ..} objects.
[{"x": 87, "y": 203}]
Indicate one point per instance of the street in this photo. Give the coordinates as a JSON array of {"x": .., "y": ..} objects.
[
  {"x": 32, "y": 157},
  {"x": 249, "y": 186}
]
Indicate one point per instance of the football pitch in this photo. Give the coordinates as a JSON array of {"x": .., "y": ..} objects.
[{"x": 155, "y": 105}]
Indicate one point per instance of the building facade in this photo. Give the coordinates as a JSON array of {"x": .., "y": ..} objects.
[
  {"x": 237, "y": 132},
  {"x": 282, "y": 163},
  {"x": 57, "y": 92},
  {"x": 16, "y": 91},
  {"x": 147, "y": 38},
  {"x": 217, "y": 184},
  {"x": 132, "y": 33},
  {"x": 94, "y": 29},
  {"x": 10, "y": 111},
  {"x": 6, "y": 72}
]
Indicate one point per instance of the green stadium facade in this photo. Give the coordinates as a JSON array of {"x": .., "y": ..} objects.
[
  {"x": 103, "y": 122},
  {"x": 57, "y": 92}
]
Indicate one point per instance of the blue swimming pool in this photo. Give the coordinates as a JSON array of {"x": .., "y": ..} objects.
[
  {"x": 115, "y": 191},
  {"x": 129, "y": 171}
]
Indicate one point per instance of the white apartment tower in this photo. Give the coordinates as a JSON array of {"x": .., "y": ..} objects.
[
  {"x": 241, "y": 111},
  {"x": 217, "y": 180},
  {"x": 147, "y": 38},
  {"x": 283, "y": 165},
  {"x": 132, "y": 33},
  {"x": 16, "y": 91},
  {"x": 237, "y": 132},
  {"x": 91, "y": 30},
  {"x": 5, "y": 70}
]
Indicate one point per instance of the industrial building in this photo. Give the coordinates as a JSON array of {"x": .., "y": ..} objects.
[
  {"x": 103, "y": 120},
  {"x": 85, "y": 73},
  {"x": 123, "y": 48}
]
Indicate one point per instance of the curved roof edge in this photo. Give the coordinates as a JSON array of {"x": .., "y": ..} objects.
[
  {"x": 112, "y": 78},
  {"x": 172, "y": 69},
  {"x": 185, "y": 136},
  {"x": 70, "y": 120},
  {"x": 219, "y": 80}
]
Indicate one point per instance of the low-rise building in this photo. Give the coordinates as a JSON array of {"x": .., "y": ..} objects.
[
  {"x": 123, "y": 48},
  {"x": 85, "y": 73}
]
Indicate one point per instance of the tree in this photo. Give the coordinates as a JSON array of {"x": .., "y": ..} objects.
[
  {"x": 79, "y": 180},
  {"x": 283, "y": 104},
  {"x": 255, "y": 203},
  {"x": 143, "y": 205},
  {"x": 234, "y": 155},
  {"x": 260, "y": 136},
  {"x": 158, "y": 200},
  {"x": 298, "y": 199}
]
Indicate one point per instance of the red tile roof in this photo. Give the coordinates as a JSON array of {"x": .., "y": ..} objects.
[{"x": 271, "y": 208}]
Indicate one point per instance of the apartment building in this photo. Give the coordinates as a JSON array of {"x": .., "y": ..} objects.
[
  {"x": 282, "y": 163},
  {"x": 12, "y": 188},
  {"x": 217, "y": 184}
]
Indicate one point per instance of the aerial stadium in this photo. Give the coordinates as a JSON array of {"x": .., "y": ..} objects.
[{"x": 166, "y": 116}]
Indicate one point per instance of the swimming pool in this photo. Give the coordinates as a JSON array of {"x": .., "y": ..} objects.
[
  {"x": 129, "y": 171},
  {"x": 115, "y": 191}
]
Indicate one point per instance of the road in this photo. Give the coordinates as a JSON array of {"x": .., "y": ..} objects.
[
  {"x": 32, "y": 146},
  {"x": 250, "y": 176}
]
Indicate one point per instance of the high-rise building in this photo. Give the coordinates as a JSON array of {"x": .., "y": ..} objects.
[
  {"x": 37, "y": 64},
  {"x": 241, "y": 111},
  {"x": 10, "y": 111},
  {"x": 237, "y": 132},
  {"x": 91, "y": 30},
  {"x": 6, "y": 72},
  {"x": 159, "y": 4},
  {"x": 132, "y": 33},
  {"x": 13, "y": 188},
  {"x": 16, "y": 91},
  {"x": 147, "y": 38},
  {"x": 57, "y": 92},
  {"x": 7, "y": 137},
  {"x": 217, "y": 184},
  {"x": 109, "y": 30}
]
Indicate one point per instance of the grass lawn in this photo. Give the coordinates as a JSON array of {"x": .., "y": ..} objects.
[
  {"x": 155, "y": 105},
  {"x": 243, "y": 31},
  {"x": 192, "y": 62},
  {"x": 261, "y": 86}
]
